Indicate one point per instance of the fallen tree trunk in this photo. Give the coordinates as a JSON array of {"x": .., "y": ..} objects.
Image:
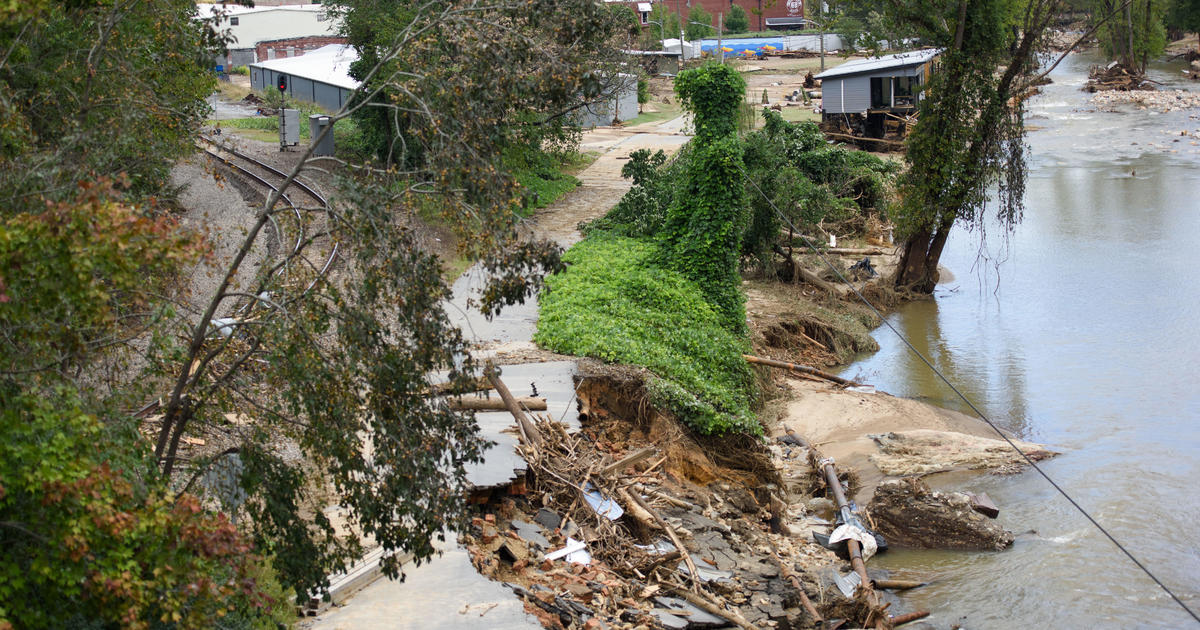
[
  {"x": 481, "y": 403},
  {"x": 808, "y": 276},
  {"x": 796, "y": 367},
  {"x": 529, "y": 431}
]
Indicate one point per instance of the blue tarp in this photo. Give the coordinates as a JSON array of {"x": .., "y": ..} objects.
[{"x": 740, "y": 45}]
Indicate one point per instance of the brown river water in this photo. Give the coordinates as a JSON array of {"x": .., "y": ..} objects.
[{"x": 1080, "y": 331}]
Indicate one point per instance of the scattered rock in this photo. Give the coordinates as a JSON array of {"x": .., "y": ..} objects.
[{"x": 909, "y": 514}]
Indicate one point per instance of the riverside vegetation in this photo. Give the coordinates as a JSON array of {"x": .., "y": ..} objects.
[{"x": 657, "y": 280}]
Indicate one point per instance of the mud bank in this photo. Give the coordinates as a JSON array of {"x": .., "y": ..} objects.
[{"x": 881, "y": 436}]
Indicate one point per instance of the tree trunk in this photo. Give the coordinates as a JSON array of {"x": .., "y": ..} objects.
[{"x": 918, "y": 269}]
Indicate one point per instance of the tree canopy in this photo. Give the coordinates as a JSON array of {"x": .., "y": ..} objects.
[
  {"x": 315, "y": 376},
  {"x": 970, "y": 133}
]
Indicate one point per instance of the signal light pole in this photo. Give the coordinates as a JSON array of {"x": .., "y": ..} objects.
[{"x": 282, "y": 85}]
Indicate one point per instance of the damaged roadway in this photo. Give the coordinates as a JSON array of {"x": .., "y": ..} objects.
[{"x": 702, "y": 533}]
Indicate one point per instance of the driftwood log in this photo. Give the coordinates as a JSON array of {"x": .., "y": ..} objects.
[
  {"x": 481, "y": 403},
  {"x": 807, "y": 275}
]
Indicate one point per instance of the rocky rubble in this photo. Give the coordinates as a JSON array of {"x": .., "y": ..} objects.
[
  {"x": 1162, "y": 101},
  {"x": 590, "y": 546},
  {"x": 909, "y": 514}
]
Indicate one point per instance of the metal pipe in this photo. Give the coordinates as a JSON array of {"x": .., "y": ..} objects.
[{"x": 835, "y": 486}]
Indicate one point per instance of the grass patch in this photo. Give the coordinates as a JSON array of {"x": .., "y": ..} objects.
[
  {"x": 547, "y": 178},
  {"x": 266, "y": 129},
  {"x": 615, "y": 304},
  {"x": 799, "y": 114},
  {"x": 231, "y": 91},
  {"x": 652, "y": 117},
  {"x": 545, "y": 187}
]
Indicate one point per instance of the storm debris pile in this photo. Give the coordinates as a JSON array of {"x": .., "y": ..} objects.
[
  {"x": 1116, "y": 77},
  {"x": 615, "y": 534}
]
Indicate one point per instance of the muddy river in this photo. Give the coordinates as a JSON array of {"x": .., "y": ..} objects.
[{"x": 1082, "y": 331}]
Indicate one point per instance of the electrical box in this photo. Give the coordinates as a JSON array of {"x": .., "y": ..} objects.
[
  {"x": 316, "y": 126},
  {"x": 289, "y": 130}
]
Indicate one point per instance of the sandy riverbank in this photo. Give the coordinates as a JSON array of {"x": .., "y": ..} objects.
[{"x": 882, "y": 436}]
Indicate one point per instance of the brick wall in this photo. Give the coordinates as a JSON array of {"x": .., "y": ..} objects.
[{"x": 293, "y": 47}]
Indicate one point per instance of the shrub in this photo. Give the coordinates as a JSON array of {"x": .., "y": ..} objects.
[
  {"x": 616, "y": 304},
  {"x": 737, "y": 21},
  {"x": 642, "y": 210}
]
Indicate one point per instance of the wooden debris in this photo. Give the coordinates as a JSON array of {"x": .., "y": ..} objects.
[
  {"x": 529, "y": 432},
  {"x": 803, "y": 369},
  {"x": 807, "y": 275},
  {"x": 910, "y": 617},
  {"x": 629, "y": 460},
  {"x": 482, "y": 403}
]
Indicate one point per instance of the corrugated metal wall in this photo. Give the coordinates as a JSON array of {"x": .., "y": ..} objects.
[{"x": 331, "y": 97}]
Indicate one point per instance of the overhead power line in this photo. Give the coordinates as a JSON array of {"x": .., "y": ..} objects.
[{"x": 968, "y": 402}]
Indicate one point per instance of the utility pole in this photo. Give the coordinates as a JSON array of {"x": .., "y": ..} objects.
[{"x": 720, "y": 36}]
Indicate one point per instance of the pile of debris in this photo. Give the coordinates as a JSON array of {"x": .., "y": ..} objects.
[
  {"x": 620, "y": 528},
  {"x": 1116, "y": 77}
]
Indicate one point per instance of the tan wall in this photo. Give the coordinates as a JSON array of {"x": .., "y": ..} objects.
[{"x": 282, "y": 23}]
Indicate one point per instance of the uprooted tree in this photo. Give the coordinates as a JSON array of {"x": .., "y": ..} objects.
[{"x": 331, "y": 361}]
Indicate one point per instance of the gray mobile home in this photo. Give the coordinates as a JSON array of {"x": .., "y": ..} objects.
[{"x": 864, "y": 92}]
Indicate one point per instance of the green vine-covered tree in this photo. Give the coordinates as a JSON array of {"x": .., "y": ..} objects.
[{"x": 703, "y": 230}]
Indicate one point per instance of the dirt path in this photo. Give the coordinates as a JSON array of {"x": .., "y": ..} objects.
[{"x": 601, "y": 185}]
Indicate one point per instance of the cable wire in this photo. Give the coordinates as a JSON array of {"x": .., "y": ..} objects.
[{"x": 966, "y": 400}]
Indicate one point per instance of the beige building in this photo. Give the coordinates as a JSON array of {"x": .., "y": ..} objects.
[{"x": 250, "y": 26}]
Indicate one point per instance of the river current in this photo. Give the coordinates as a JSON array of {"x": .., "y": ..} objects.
[{"x": 1081, "y": 330}]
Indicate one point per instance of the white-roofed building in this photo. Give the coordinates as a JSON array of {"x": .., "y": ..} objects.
[
  {"x": 889, "y": 82},
  {"x": 321, "y": 76},
  {"x": 250, "y": 26}
]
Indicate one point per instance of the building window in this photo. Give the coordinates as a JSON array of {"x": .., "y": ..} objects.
[
  {"x": 645, "y": 17},
  {"x": 233, "y": 21},
  {"x": 905, "y": 91}
]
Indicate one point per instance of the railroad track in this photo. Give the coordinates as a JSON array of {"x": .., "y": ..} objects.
[{"x": 272, "y": 178}]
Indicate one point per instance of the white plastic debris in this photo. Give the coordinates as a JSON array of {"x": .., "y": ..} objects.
[{"x": 575, "y": 552}]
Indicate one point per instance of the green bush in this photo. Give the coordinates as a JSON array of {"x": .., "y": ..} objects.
[
  {"x": 616, "y": 304},
  {"x": 242, "y": 70},
  {"x": 642, "y": 211},
  {"x": 809, "y": 181},
  {"x": 737, "y": 21}
]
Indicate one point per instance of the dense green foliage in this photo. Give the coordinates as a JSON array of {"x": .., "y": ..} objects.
[
  {"x": 642, "y": 211},
  {"x": 736, "y": 21},
  {"x": 1184, "y": 15},
  {"x": 700, "y": 23},
  {"x": 615, "y": 303},
  {"x": 1132, "y": 33},
  {"x": 83, "y": 522},
  {"x": 77, "y": 103},
  {"x": 809, "y": 181}
]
